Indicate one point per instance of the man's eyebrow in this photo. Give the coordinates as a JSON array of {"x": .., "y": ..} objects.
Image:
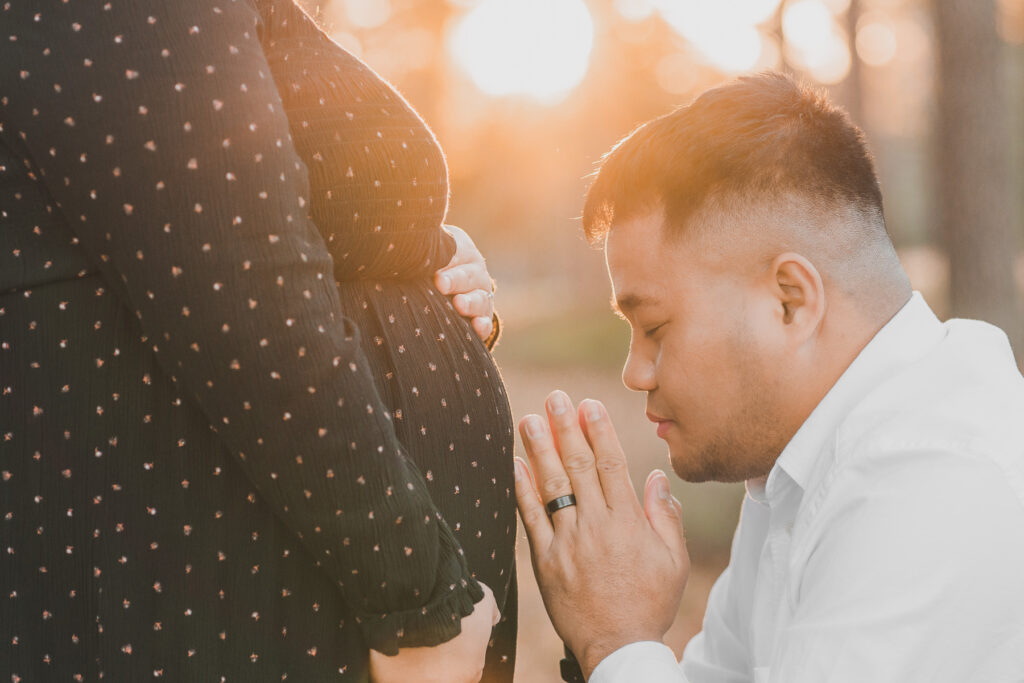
[{"x": 627, "y": 303}]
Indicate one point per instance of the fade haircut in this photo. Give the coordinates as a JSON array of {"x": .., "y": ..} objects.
[{"x": 758, "y": 138}]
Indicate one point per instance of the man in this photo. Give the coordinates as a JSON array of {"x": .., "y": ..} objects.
[{"x": 779, "y": 343}]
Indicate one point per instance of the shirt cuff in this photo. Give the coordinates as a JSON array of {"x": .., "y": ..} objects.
[{"x": 648, "y": 661}]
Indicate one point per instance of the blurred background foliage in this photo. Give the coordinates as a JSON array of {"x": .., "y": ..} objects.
[{"x": 526, "y": 95}]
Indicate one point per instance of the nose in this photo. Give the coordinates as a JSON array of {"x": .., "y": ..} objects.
[{"x": 638, "y": 373}]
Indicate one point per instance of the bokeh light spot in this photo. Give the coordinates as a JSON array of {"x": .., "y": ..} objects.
[
  {"x": 814, "y": 40},
  {"x": 876, "y": 41},
  {"x": 807, "y": 25},
  {"x": 367, "y": 13}
]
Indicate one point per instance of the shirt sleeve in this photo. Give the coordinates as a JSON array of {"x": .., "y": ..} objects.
[
  {"x": 648, "y": 661},
  {"x": 159, "y": 133},
  {"x": 914, "y": 576},
  {"x": 718, "y": 653}
]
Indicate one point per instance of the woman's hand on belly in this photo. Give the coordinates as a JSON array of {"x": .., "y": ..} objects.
[
  {"x": 460, "y": 660},
  {"x": 466, "y": 281}
]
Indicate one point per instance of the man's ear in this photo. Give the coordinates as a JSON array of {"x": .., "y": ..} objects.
[{"x": 801, "y": 295}]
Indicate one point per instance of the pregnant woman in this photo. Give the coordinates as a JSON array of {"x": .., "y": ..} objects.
[
  {"x": 242, "y": 436},
  {"x": 378, "y": 193}
]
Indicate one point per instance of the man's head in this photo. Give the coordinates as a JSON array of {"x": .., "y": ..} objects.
[{"x": 747, "y": 249}]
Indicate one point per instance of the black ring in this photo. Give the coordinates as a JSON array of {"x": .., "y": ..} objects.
[{"x": 561, "y": 502}]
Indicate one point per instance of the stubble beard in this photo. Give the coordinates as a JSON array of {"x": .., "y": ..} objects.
[{"x": 747, "y": 444}]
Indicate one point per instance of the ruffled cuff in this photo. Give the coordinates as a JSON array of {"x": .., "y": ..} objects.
[
  {"x": 492, "y": 338},
  {"x": 436, "y": 622}
]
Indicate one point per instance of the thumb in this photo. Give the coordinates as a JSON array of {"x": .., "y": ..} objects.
[
  {"x": 489, "y": 598},
  {"x": 664, "y": 512}
]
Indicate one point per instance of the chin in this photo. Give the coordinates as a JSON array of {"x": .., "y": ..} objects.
[
  {"x": 698, "y": 466},
  {"x": 696, "y": 475},
  {"x": 688, "y": 467}
]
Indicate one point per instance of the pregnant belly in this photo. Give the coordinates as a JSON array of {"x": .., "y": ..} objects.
[{"x": 450, "y": 412}]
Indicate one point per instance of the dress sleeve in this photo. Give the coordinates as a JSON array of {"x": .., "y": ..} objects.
[
  {"x": 379, "y": 181},
  {"x": 159, "y": 133},
  {"x": 378, "y": 177}
]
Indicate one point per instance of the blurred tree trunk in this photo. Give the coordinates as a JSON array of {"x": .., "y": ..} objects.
[
  {"x": 851, "y": 92},
  {"x": 775, "y": 30},
  {"x": 975, "y": 195}
]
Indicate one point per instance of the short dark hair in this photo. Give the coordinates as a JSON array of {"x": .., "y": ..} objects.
[{"x": 756, "y": 138}]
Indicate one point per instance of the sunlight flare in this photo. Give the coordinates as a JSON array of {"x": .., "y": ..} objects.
[
  {"x": 724, "y": 34},
  {"x": 815, "y": 41},
  {"x": 537, "y": 48}
]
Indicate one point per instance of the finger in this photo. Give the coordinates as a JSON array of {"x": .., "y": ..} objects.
[
  {"x": 459, "y": 279},
  {"x": 663, "y": 514},
  {"x": 496, "y": 614},
  {"x": 477, "y": 303},
  {"x": 465, "y": 249},
  {"x": 483, "y": 327},
  {"x": 576, "y": 456},
  {"x": 551, "y": 479},
  {"x": 489, "y": 598},
  {"x": 535, "y": 519},
  {"x": 612, "y": 467}
]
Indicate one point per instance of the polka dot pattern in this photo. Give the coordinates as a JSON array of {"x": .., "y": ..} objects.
[{"x": 227, "y": 451}]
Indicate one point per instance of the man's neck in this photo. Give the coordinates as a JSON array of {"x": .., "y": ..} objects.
[{"x": 846, "y": 330}]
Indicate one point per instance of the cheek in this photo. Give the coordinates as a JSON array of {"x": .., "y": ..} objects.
[
  {"x": 685, "y": 379},
  {"x": 706, "y": 374}
]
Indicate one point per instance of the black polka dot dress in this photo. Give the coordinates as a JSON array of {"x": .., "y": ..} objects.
[{"x": 241, "y": 436}]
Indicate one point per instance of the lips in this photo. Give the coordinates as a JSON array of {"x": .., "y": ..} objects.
[{"x": 663, "y": 423}]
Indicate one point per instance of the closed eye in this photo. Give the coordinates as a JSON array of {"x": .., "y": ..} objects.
[{"x": 650, "y": 331}]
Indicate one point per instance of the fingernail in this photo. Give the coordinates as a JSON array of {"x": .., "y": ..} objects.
[
  {"x": 517, "y": 464},
  {"x": 559, "y": 403},
  {"x": 662, "y": 486},
  {"x": 534, "y": 428},
  {"x": 445, "y": 284},
  {"x": 593, "y": 410}
]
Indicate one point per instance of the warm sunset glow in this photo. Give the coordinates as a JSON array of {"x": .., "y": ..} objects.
[
  {"x": 814, "y": 40},
  {"x": 675, "y": 74},
  {"x": 538, "y": 48},
  {"x": 724, "y": 34},
  {"x": 807, "y": 24},
  {"x": 750, "y": 12}
]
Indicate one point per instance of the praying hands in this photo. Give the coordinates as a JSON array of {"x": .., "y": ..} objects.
[{"x": 611, "y": 571}]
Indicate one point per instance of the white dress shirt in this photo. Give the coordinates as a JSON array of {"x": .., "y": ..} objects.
[{"x": 887, "y": 542}]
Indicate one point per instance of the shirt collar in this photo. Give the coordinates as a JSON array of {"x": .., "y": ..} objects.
[{"x": 908, "y": 335}]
